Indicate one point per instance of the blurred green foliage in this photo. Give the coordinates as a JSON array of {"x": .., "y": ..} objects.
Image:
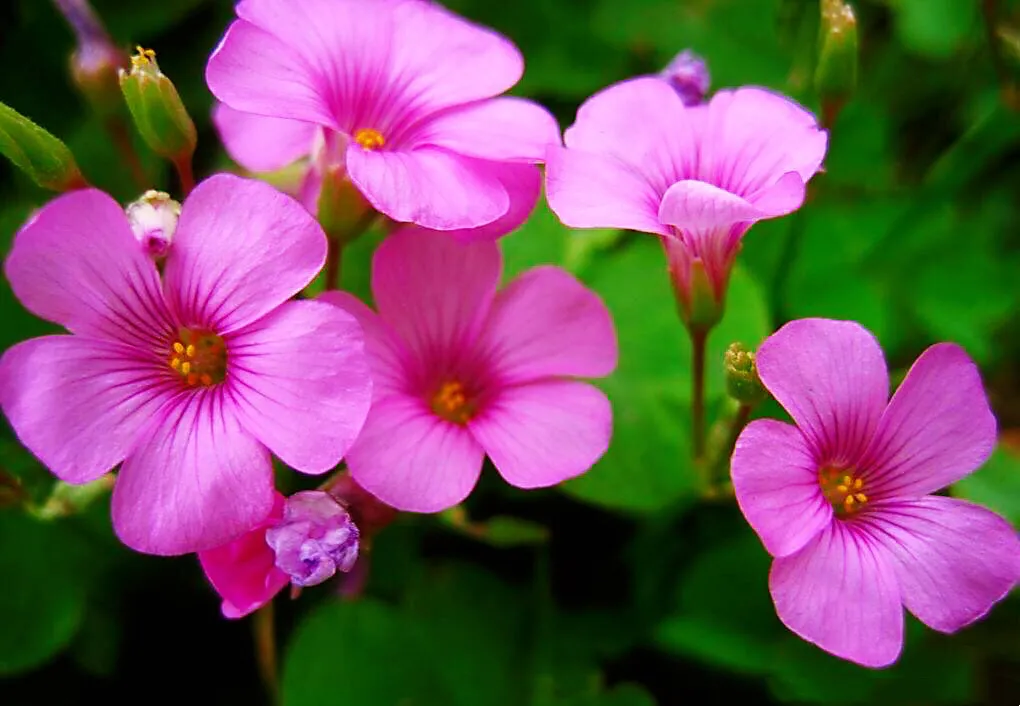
[{"x": 623, "y": 587}]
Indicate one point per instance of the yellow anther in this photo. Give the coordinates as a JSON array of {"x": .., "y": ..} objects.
[
  {"x": 185, "y": 367},
  {"x": 847, "y": 480},
  {"x": 369, "y": 139},
  {"x": 175, "y": 363},
  {"x": 842, "y": 488},
  {"x": 858, "y": 484},
  {"x": 143, "y": 57},
  {"x": 190, "y": 350},
  {"x": 179, "y": 347},
  {"x": 861, "y": 497},
  {"x": 452, "y": 402}
]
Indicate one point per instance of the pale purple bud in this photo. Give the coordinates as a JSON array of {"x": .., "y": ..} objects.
[
  {"x": 153, "y": 221},
  {"x": 315, "y": 539},
  {"x": 688, "y": 75}
]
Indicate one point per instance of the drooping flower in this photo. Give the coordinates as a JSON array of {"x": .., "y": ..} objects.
[
  {"x": 844, "y": 500},
  {"x": 688, "y": 74},
  {"x": 402, "y": 94},
  {"x": 462, "y": 371},
  {"x": 190, "y": 381},
  {"x": 306, "y": 539},
  {"x": 699, "y": 176}
]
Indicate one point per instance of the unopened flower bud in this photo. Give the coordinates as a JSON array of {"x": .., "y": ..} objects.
[
  {"x": 742, "y": 382},
  {"x": 96, "y": 61},
  {"x": 153, "y": 220},
  {"x": 36, "y": 152},
  {"x": 836, "y": 72},
  {"x": 315, "y": 539},
  {"x": 157, "y": 109},
  {"x": 688, "y": 74},
  {"x": 342, "y": 210}
]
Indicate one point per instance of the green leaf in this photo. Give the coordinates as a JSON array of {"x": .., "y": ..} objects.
[
  {"x": 363, "y": 652},
  {"x": 622, "y": 695},
  {"x": 648, "y": 465},
  {"x": 35, "y": 151},
  {"x": 996, "y": 485},
  {"x": 42, "y": 598},
  {"x": 936, "y": 28}
]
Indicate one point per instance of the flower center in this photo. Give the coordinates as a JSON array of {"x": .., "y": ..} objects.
[
  {"x": 369, "y": 139},
  {"x": 842, "y": 487},
  {"x": 199, "y": 357},
  {"x": 452, "y": 402}
]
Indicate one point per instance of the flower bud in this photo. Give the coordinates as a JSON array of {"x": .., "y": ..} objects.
[
  {"x": 315, "y": 539},
  {"x": 742, "y": 382},
  {"x": 96, "y": 61},
  {"x": 342, "y": 210},
  {"x": 836, "y": 72},
  {"x": 153, "y": 220},
  {"x": 157, "y": 109},
  {"x": 36, "y": 152},
  {"x": 688, "y": 74}
]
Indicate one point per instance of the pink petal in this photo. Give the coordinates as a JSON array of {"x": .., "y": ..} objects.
[
  {"x": 412, "y": 460},
  {"x": 428, "y": 186},
  {"x": 832, "y": 379},
  {"x": 262, "y": 144},
  {"x": 540, "y": 434},
  {"x": 937, "y": 428},
  {"x": 840, "y": 593},
  {"x": 523, "y": 184},
  {"x": 244, "y": 571},
  {"x": 503, "y": 129},
  {"x": 546, "y": 323},
  {"x": 434, "y": 291},
  {"x": 198, "y": 481},
  {"x": 301, "y": 380},
  {"x": 753, "y": 137},
  {"x": 696, "y": 205},
  {"x": 77, "y": 263},
  {"x": 643, "y": 123},
  {"x": 954, "y": 560},
  {"x": 589, "y": 190},
  {"x": 241, "y": 249},
  {"x": 775, "y": 478},
  {"x": 79, "y": 404},
  {"x": 253, "y": 71},
  {"x": 782, "y": 198},
  {"x": 386, "y": 352}
]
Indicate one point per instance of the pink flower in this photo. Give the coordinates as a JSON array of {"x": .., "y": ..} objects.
[
  {"x": 844, "y": 499},
  {"x": 700, "y": 176},
  {"x": 306, "y": 539},
  {"x": 401, "y": 93},
  {"x": 462, "y": 371},
  {"x": 190, "y": 381}
]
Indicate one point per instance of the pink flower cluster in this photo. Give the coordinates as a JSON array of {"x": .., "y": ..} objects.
[{"x": 192, "y": 356}]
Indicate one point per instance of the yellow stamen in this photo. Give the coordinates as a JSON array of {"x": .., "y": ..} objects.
[
  {"x": 199, "y": 357},
  {"x": 369, "y": 139},
  {"x": 453, "y": 403},
  {"x": 842, "y": 488}
]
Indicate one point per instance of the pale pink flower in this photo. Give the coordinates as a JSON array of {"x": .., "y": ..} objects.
[
  {"x": 190, "y": 381},
  {"x": 699, "y": 176},
  {"x": 402, "y": 94},
  {"x": 461, "y": 371},
  {"x": 306, "y": 539},
  {"x": 844, "y": 499}
]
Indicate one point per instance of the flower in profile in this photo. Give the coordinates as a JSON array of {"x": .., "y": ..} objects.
[
  {"x": 699, "y": 177},
  {"x": 844, "y": 500},
  {"x": 190, "y": 381},
  {"x": 306, "y": 540},
  {"x": 688, "y": 74},
  {"x": 401, "y": 94},
  {"x": 461, "y": 370}
]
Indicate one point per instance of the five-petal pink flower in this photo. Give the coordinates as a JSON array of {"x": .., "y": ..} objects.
[
  {"x": 190, "y": 381},
  {"x": 461, "y": 370},
  {"x": 844, "y": 500},
  {"x": 403, "y": 94},
  {"x": 699, "y": 176}
]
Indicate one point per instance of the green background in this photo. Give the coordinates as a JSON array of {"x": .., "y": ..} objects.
[{"x": 620, "y": 588}]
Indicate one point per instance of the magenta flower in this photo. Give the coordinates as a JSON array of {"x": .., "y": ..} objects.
[
  {"x": 844, "y": 499},
  {"x": 700, "y": 176},
  {"x": 462, "y": 371},
  {"x": 244, "y": 571},
  {"x": 306, "y": 539},
  {"x": 401, "y": 93},
  {"x": 190, "y": 381}
]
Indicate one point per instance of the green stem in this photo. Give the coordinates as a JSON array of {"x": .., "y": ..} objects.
[
  {"x": 699, "y": 338},
  {"x": 720, "y": 467},
  {"x": 334, "y": 262},
  {"x": 264, "y": 630}
]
